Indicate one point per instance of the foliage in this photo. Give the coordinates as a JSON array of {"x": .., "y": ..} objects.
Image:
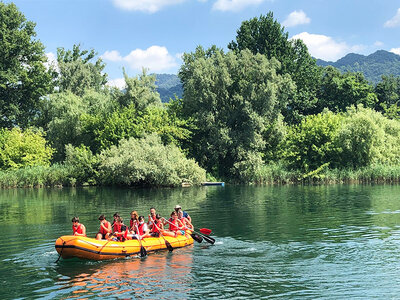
[
  {"x": 147, "y": 161},
  {"x": 266, "y": 36},
  {"x": 388, "y": 93},
  {"x": 310, "y": 144},
  {"x": 23, "y": 148},
  {"x": 77, "y": 73},
  {"x": 101, "y": 131},
  {"x": 231, "y": 99},
  {"x": 23, "y": 76},
  {"x": 169, "y": 86},
  {"x": 36, "y": 176},
  {"x": 82, "y": 163},
  {"x": 140, "y": 91},
  {"x": 367, "y": 137},
  {"x": 339, "y": 91}
]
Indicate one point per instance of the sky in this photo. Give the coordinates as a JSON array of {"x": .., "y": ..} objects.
[{"x": 132, "y": 34}]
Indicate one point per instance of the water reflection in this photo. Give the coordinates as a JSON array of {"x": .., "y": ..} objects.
[{"x": 164, "y": 275}]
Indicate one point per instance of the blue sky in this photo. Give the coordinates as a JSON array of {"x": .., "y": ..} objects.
[{"x": 154, "y": 33}]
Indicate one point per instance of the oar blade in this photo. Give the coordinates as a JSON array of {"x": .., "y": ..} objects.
[
  {"x": 209, "y": 239},
  {"x": 196, "y": 237},
  {"x": 205, "y": 231},
  {"x": 169, "y": 247},
  {"x": 143, "y": 251}
]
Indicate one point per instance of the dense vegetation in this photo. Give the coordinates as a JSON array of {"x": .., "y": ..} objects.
[{"x": 261, "y": 112}]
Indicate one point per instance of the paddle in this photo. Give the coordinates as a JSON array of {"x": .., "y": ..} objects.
[
  {"x": 205, "y": 231},
  {"x": 167, "y": 244},
  {"x": 143, "y": 251},
  {"x": 207, "y": 238}
]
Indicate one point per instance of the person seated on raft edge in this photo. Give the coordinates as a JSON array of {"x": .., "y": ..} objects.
[
  {"x": 133, "y": 222},
  {"x": 157, "y": 226},
  {"x": 185, "y": 214},
  {"x": 105, "y": 229},
  {"x": 143, "y": 229},
  {"x": 116, "y": 215},
  {"x": 120, "y": 231},
  {"x": 152, "y": 216},
  {"x": 78, "y": 228},
  {"x": 185, "y": 221},
  {"x": 175, "y": 226}
]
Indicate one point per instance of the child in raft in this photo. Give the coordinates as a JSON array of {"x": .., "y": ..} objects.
[
  {"x": 185, "y": 221},
  {"x": 157, "y": 225},
  {"x": 175, "y": 226},
  {"x": 105, "y": 229},
  {"x": 78, "y": 228},
  {"x": 120, "y": 230}
]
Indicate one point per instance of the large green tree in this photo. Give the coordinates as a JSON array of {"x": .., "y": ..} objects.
[
  {"x": 388, "y": 93},
  {"x": 79, "y": 71},
  {"x": 23, "y": 76},
  {"x": 232, "y": 99},
  {"x": 266, "y": 36},
  {"x": 339, "y": 91}
]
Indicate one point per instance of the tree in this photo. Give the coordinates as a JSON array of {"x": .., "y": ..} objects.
[
  {"x": 23, "y": 148},
  {"x": 388, "y": 93},
  {"x": 266, "y": 36},
  {"x": 77, "y": 72},
  {"x": 140, "y": 91},
  {"x": 231, "y": 98},
  {"x": 339, "y": 91},
  {"x": 23, "y": 76}
]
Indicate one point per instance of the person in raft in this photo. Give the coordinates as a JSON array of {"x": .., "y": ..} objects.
[
  {"x": 142, "y": 229},
  {"x": 78, "y": 228},
  {"x": 116, "y": 215},
  {"x": 185, "y": 214},
  {"x": 157, "y": 226},
  {"x": 152, "y": 216},
  {"x": 185, "y": 221},
  {"x": 175, "y": 226},
  {"x": 133, "y": 221},
  {"x": 105, "y": 229},
  {"x": 120, "y": 230}
]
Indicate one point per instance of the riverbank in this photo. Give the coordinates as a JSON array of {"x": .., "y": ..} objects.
[{"x": 60, "y": 175}]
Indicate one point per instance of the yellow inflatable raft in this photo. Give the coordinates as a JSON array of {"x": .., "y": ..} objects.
[{"x": 69, "y": 246}]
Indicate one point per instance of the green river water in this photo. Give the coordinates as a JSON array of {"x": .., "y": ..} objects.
[{"x": 274, "y": 242}]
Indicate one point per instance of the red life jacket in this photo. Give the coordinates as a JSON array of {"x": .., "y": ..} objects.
[
  {"x": 140, "y": 229},
  {"x": 117, "y": 227},
  {"x": 173, "y": 225},
  {"x": 102, "y": 230},
  {"x": 78, "y": 229},
  {"x": 156, "y": 226}
]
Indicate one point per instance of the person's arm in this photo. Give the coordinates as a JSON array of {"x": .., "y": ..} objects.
[
  {"x": 180, "y": 224},
  {"x": 189, "y": 218},
  {"x": 189, "y": 224}
]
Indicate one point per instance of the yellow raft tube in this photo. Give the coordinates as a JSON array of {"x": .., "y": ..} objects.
[{"x": 69, "y": 246}]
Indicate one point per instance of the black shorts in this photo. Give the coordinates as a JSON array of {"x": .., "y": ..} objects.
[
  {"x": 103, "y": 236},
  {"x": 155, "y": 234}
]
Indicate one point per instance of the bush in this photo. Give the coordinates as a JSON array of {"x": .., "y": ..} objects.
[
  {"x": 147, "y": 161},
  {"x": 83, "y": 164},
  {"x": 19, "y": 148}
]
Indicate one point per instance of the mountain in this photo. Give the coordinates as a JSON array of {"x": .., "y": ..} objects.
[
  {"x": 372, "y": 66},
  {"x": 168, "y": 85}
]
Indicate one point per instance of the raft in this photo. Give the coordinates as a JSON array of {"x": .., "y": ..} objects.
[{"x": 69, "y": 246}]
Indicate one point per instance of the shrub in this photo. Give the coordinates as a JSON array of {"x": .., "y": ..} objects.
[{"x": 147, "y": 161}]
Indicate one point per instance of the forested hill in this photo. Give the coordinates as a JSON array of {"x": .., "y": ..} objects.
[
  {"x": 372, "y": 66},
  {"x": 168, "y": 85}
]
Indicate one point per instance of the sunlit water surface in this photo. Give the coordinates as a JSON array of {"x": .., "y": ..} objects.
[{"x": 290, "y": 242}]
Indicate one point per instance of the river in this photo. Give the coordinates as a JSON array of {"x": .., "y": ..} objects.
[{"x": 290, "y": 242}]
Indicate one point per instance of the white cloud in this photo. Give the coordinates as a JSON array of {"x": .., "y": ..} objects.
[
  {"x": 393, "y": 22},
  {"x": 150, "y": 6},
  {"x": 395, "y": 51},
  {"x": 296, "y": 18},
  {"x": 118, "y": 83},
  {"x": 234, "y": 5},
  {"x": 325, "y": 47},
  {"x": 112, "y": 56},
  {"x": 378, "y": 44},
  {"x": 154, "y": 58}
]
